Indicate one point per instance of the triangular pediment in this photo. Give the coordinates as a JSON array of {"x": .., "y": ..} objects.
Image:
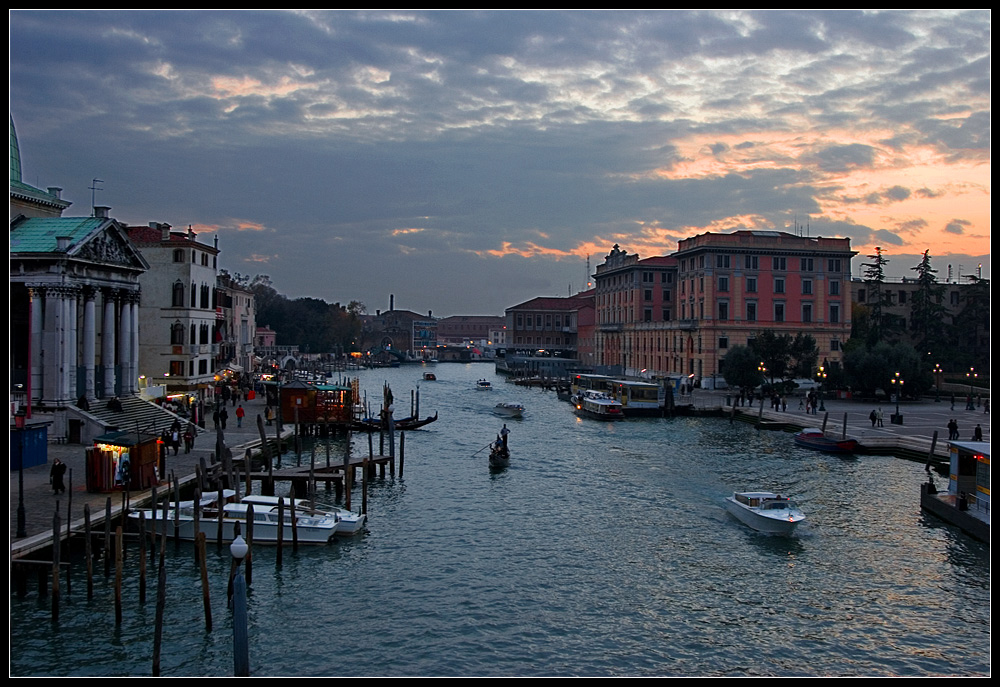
[{"x": 109, "y": 245}]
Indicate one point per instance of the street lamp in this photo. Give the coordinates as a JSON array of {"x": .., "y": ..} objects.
[
  {"x": 897, "y": 391},
  {"x": 970, "y": 375},
  {"x": 821, "y": 377},
  {"x": 937, "y": 382},
  {"x": 241, "y": 649}
]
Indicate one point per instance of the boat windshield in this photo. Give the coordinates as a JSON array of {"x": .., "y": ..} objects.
[{"x": 777, "y": 505}]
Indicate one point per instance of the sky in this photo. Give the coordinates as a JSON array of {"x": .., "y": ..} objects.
[{"x": 465, "y": 162}]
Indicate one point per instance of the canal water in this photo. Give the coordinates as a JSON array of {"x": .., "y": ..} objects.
[{"x": 603, "y": 550}]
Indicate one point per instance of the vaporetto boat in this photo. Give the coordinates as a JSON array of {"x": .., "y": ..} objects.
[{"x": 598, "y": 405}]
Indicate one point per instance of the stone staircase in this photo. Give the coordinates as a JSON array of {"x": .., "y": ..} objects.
[{"x": 136, "y": 413}]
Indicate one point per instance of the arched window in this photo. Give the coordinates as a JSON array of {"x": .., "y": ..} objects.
[
  {"x": 194, "y": 295},
  {"x": 204, "y": 296},
  {"x": 177, "y": 334},
  {"x": 178, "y": 298},
  {"x": 179, "y": 255},
  {"x": 204, "y": 333}
]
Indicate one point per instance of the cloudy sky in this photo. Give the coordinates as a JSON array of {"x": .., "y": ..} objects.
[{"x": 465, "y": 162}]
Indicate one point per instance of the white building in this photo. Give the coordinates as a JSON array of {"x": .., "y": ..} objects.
[{"x": 178, "y": 319}]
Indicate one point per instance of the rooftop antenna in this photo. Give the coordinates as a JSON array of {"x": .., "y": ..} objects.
[
  {"x": 93, "y": 194},
  {"x": 587, "y": 282}
]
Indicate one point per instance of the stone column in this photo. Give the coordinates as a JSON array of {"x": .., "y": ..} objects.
[
  {"x": 108, "y": 343},
  {"x": 53, "y": 350},
  {"x": 71, "y": 356},
  {"x": 89, "y": 342},
  {"x": 37, "y": 314},
  {"x": 125, "y": 342}
]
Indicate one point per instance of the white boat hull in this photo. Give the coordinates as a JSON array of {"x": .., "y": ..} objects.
[{"x": 772, "y": 521}]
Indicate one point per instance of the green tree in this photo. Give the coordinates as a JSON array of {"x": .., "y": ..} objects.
[
  {"x": 971, "y": 334},
  {"x": 927, "y": 313},
  {"x": 785, "y": 356},
  {"x": 880, "y": 322},
  {"x": 739, "y": 368}
]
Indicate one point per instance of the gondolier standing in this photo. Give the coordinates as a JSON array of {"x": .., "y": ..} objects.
[{"x": 503, "y": 435}]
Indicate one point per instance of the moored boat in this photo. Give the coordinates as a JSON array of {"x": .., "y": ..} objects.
[
  {"x": 348, "y": 523},
  {"x": 598, "y": 405},
  {"x": 509, "y": 409},
  {"x": 310, "y": 526},
  {"x": 818, "y": 440},
  {"x": 765, "y": 511}
]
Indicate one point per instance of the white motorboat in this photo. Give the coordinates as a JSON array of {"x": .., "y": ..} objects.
[
  {"x": 348, "y": 523},
  {"x": 310, "y": 526},
  {"x": 765, "y": 511},
  {"x": 598, "y": 405},
  {"x": 484, "y": 385},
  {"x": 509, "y": 409}
]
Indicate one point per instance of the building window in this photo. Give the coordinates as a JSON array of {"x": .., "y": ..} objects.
[
  {"x": 807, "y": 312},
  {"x": 834, "y": 345},
  {"x": 807, "y": 264},
  {"x": 834, "y": 288},
  {"x": 179, "y": 255},
  {"x": 750, "y": 262},
  {"x": 751, "y": 312},
  {"x": 723, "y": 342},
  {"x": 666, "y": 295},
  {"x": 194, "y": 295},
  {"x": 204, "y": 333},
  {"x": 833, "y": 265},
  {"x": 204, "y": 259},
  {"x": 176, "y": 368},
  {"x": 178, "y": 297},
  {"x": 666, "y": 314},
  {"x": 835, "y": 313},
  {"x": 779, "y": 264},
  {"x": 647, "y": 277},
  {"x": 723, "y": 310},
  {"x": 202, "y": 367},
  {"x": 807, "y": 287},
  {"x": 723, "y": 283},
  {"x": 722, "y": 261},
  {"x": 177, "y": 334},
  {"x": 751, "y": 284},
  {"x": 204, "y": 296},
  {"x": 779, "y": 312},
  {"x": 647, "y": 294},
  {"x": 779, "y": 284},
  {"x": 902, "y": 297},
  {"x": 647, "y": 315}
]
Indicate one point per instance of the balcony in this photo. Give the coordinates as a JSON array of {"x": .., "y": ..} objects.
[{"x": 611, "y": 327}]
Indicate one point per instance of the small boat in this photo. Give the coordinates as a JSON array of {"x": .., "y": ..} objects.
[
  {"x": 373, "y": 424},
  {"x": 348, "y": 523},
  {"x": 765, "y": 511},
  {"x": 310, "y": 526},
  {"x": 484, "y": 385},
  {"x": 509, "y": 409},
  {"x": 598, "y": 405},
  {"x": 816, "y": 439},
  {"x": 499, "y": 456},
  {"x": 430, "y": 377}
]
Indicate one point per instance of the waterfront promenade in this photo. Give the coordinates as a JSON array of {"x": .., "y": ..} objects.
[
  {"x": 40, "y": 504},
  {"x": 914, "y": 437}
]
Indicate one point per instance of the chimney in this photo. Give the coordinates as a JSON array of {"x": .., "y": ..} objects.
[
  {"x": 62, "y": 243},
  {"x": 190, "y": 233},
  {"x": 101, "y": 211},
  {"x": 55, "y": 191},
  {"x": 392, "y": 300}
]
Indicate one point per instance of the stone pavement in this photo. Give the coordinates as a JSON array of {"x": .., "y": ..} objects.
[{"x": 40, "y": 505}]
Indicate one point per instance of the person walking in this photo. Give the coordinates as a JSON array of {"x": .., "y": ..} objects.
[
  {"x": 874, "y": 418},
  {"x": 880, "y": 417},
  {"x": 239, "y": 415},
  {"x": 56, "y": 477},
  {"x": 223, "y": 416},
  {"x": 977, "y": 433}
]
